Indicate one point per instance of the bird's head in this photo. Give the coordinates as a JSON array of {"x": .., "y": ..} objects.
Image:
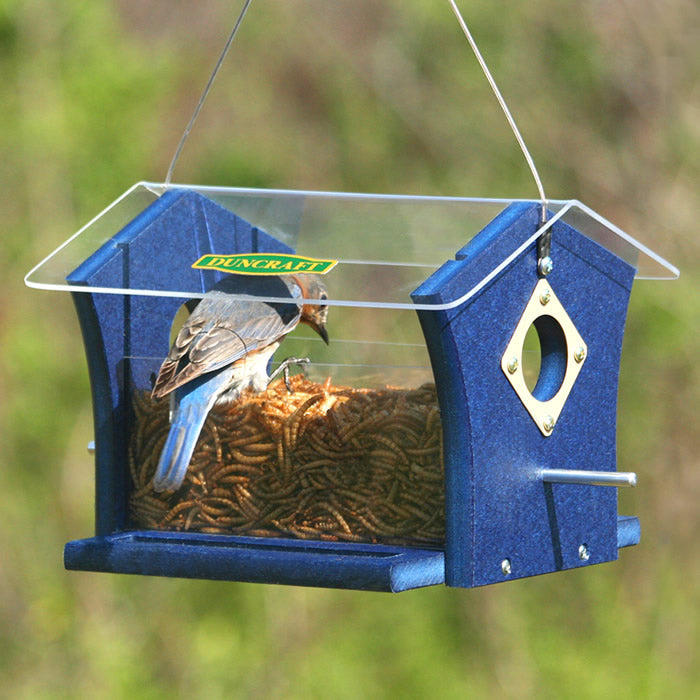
[{"x": 314, "y": 315}]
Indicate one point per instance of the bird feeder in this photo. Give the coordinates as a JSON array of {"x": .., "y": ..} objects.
[{"x": 459, "y": 428}]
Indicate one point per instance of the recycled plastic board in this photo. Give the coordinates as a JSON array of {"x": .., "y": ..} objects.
[
  {"x": 496, "y": 507},
  {"x": 255, "y": 560}
]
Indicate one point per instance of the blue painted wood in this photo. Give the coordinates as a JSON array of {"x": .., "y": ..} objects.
[
  {"x": 496, "y": 508},
  {"x": 256, "y": 560}
]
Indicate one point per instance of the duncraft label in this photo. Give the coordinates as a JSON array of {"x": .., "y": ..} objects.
[{"x": 263, "y": 264}]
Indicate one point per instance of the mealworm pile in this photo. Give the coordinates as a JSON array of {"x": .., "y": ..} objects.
[{"x": 321, "y": 462}]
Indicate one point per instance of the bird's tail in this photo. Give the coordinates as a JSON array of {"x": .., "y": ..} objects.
[{"x": 186, "y": 426}]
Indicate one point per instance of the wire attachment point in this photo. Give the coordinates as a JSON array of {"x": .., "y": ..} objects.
[{"x": 545, "y": 264}]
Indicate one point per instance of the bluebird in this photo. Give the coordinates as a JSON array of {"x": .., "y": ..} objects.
[{"x": 223, "y": 348}]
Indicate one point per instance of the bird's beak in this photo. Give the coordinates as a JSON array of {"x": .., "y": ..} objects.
[
  {"x": 319, "y": 326},
  {"x": 321, "y": 330},
  {"x": 315, "y": 317}
]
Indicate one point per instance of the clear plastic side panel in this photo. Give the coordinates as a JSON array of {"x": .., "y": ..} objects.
[{"x": 350, "y": 452}]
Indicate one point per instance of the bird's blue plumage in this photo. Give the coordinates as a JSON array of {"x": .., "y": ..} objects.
[
  {"x": 192, "y": 404},
  {"x": 224, "y": 348}
]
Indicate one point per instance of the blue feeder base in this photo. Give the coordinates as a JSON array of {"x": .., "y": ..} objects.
[
  {"x": 256, "y": 560},
  {"x": 367, "y": 567}
]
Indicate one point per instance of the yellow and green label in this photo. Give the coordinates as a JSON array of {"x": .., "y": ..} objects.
[{"x": 263, "y": 264}]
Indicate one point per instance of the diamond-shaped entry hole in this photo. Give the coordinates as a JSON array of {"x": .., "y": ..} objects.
[{"x": 544, "y": 357}]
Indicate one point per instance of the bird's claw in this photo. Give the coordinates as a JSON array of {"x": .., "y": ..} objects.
[{"x": 284, "y": 369}]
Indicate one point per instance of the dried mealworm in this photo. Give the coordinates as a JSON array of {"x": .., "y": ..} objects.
[
  {"x": 182, "y": 506},
  {"x": 291, "y": 425},
  {"x": 260, "y": 447},
  {"x": 190, "y": 517},
  {"x": 350, "y": 459},
  {"x": 395, "y": 450},
  {"x": 333, "y": 454},
  {"x": 247, "y": 440},
  {"x": 239, "y": 469},
  {"x": 242, "y": 458},
  {"x": 418, "y": 451},
  {"x": 427, "y": 474},
  {"x": 383, "y": 528},
  {"x": 232, "y": 479}
]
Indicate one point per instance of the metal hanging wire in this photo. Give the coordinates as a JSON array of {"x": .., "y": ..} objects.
[
  {"x": 544, "y": 242},
  {"x": 210, "y": 82}
]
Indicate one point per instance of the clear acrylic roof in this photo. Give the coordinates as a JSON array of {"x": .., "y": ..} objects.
[{"x": 385, "y": 245}]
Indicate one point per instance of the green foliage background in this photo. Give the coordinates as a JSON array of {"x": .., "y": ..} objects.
[{"x": 379, "y": 96}]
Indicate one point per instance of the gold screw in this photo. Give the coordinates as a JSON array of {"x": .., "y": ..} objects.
[
  {"x": 580, "y": 354},
  {"x": 545, "y": 296},
  {"x": 513, "y": 365},
  {"x": 548, "y": 423}
]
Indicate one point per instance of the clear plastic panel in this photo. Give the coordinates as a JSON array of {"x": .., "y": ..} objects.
[
  {"x": 326, "y": 461},
  {"x": 385, "y": 245}
]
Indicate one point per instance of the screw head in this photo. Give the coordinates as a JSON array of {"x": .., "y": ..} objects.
[
  {"x": 545, "y": 296},
  {"x": 506, "y": 567},
  {"x": 546, "y": 265},
  {"x": 584, "y": 553},
  {"x": 548, "y": 423},
  {"x": 580, "y": 354},
  {"x": 513, "y": 365}
]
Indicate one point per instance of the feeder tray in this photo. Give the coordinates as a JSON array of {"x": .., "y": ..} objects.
[{"x": 416, "y": 451}]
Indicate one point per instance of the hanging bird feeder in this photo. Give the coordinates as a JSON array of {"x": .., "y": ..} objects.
[
  {"x": 459, "y": 428},
  {"x": 395, "y": 463}
]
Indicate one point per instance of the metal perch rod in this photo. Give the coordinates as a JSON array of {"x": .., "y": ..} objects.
[{"x": 588, "y": 478}]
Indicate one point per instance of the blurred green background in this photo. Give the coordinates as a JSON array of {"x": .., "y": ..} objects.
[{"x": 369, "y": 96}]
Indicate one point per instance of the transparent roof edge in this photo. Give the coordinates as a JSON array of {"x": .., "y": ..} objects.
[
  {"x": 675, "y": 272},
  {"x": 70, "y": 239},
  {"x": 157, "y": 189},
  {"x": 198, "y": 295}
]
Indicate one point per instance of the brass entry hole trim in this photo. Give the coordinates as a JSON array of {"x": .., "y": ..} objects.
[{"x": 564, "y": 353}]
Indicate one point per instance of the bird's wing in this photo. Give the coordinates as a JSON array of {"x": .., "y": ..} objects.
[{"x": 220, "y": 333}]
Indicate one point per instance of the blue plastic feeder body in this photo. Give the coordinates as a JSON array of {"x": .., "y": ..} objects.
[
  {"x": 498, "y": 510},
  {"x": 504, "y": 522}
]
